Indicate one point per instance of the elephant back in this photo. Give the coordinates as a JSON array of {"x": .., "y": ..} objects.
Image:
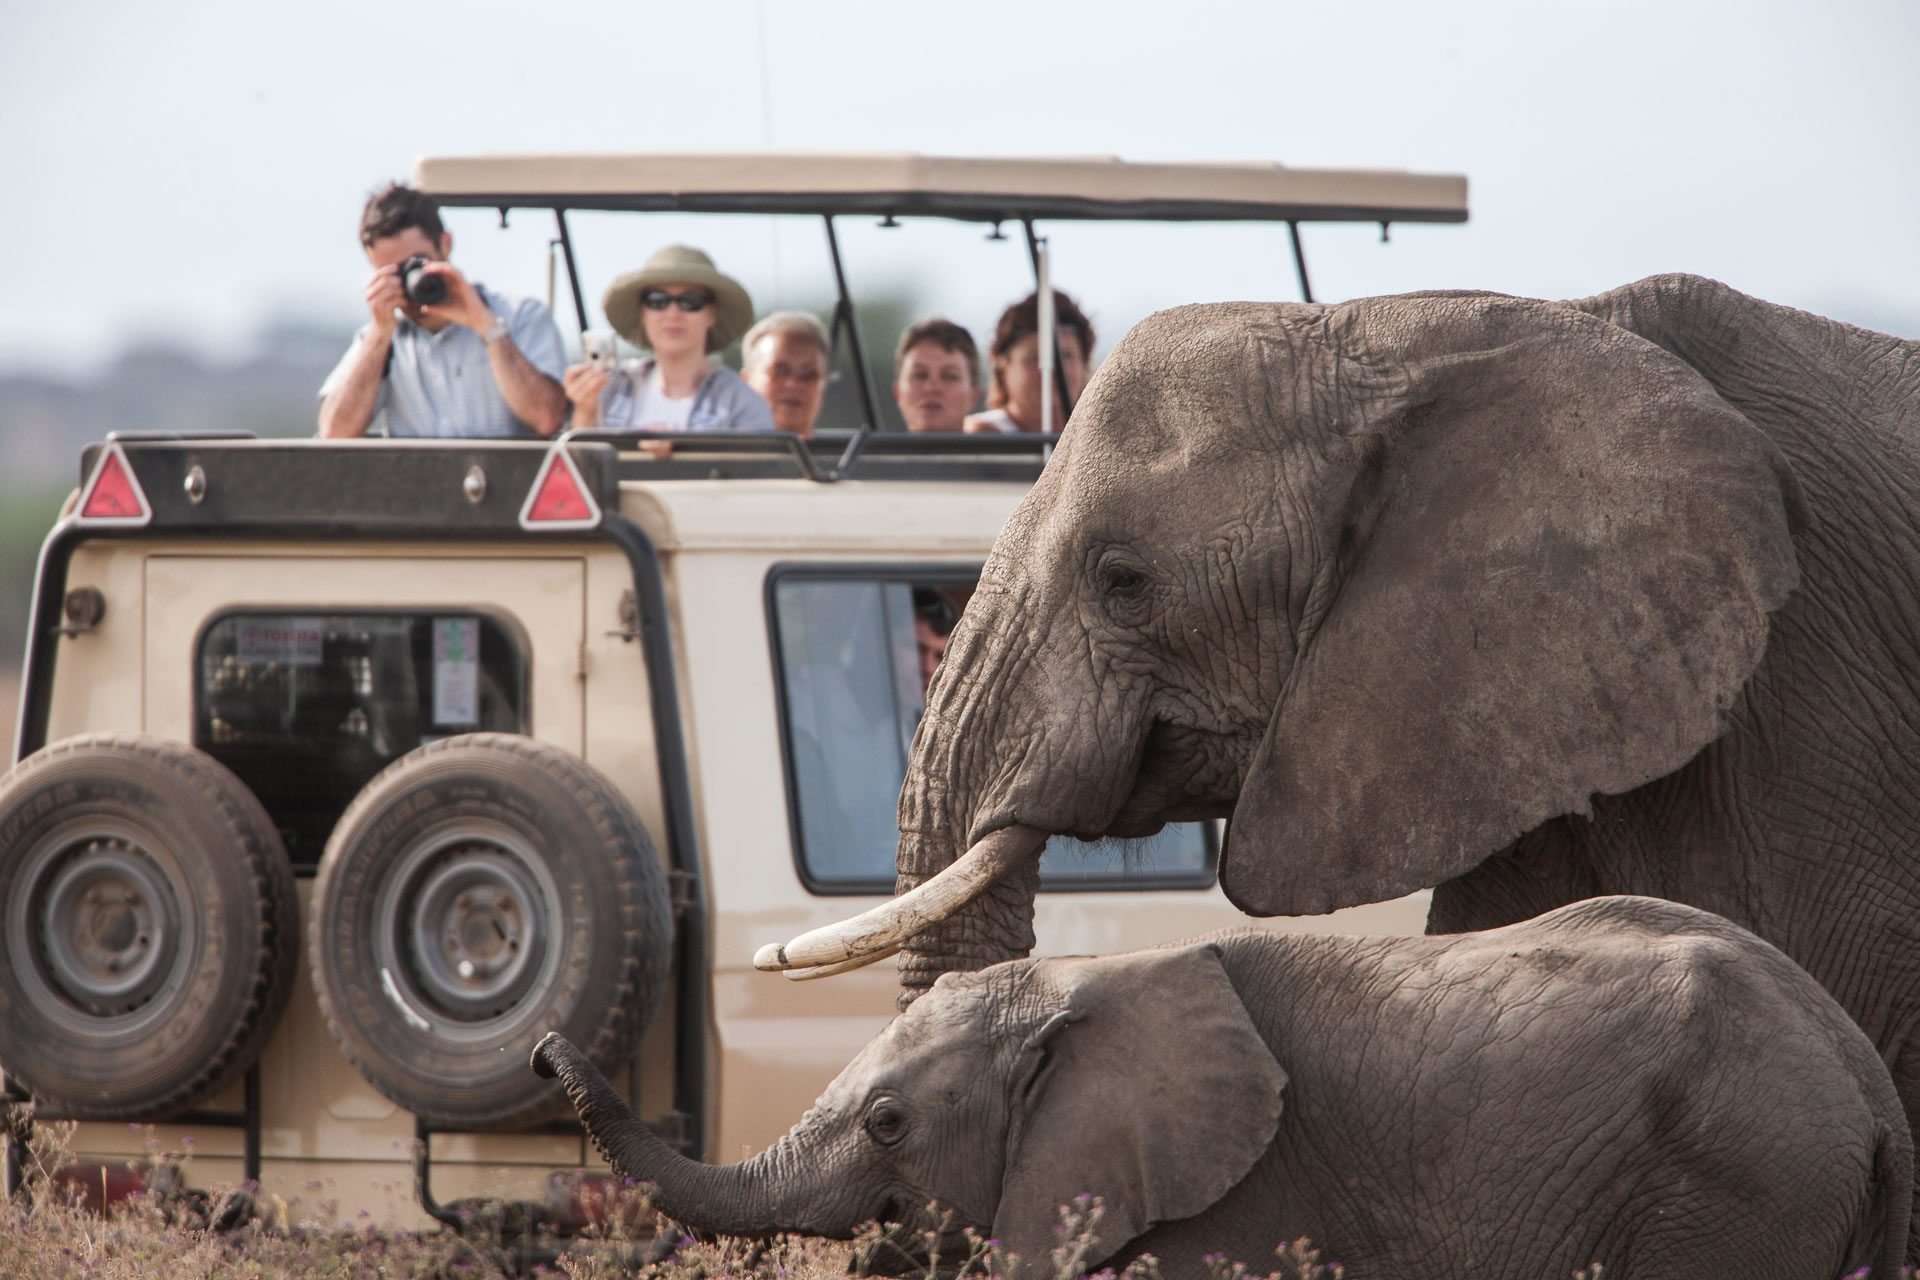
[{"x": 1828, "y": 393}]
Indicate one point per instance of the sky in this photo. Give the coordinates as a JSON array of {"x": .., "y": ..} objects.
[{"x": 189, "y": 173}]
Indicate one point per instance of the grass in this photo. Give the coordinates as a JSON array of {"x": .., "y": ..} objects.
[{"x": 226, "y": 1234}]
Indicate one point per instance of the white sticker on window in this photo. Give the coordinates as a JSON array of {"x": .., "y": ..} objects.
[
  {"x": 456, "y": 671},
  {"x": 292, "y": 642}
]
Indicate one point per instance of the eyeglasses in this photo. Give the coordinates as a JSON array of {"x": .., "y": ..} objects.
[
  {"x": 691, "y": 300},
  {"x": 805, "y": 375}
]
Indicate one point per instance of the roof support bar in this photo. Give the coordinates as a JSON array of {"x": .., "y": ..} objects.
[
  {"x": 1300, "y": 261},
  {"x": 573, "y": 272},
  {"x": 843, "y": 315},
  {"x": 1059, "y": 365}
]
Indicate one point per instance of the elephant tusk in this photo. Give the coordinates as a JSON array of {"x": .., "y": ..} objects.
[
  {"x": 874, "y": 934},
  {"x": 845, "y": 966}
]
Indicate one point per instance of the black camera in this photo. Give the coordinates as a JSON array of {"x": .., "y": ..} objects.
[{"x": 423, "y": 288}]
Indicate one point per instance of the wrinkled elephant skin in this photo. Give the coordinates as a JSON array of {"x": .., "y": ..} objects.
[
  {"x": 1624, "y": 1081},
  {"x": 1523, "y": 601}
]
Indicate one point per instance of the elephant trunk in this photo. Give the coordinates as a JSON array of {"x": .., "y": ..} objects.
[
  {"x": 990, "y": 778},
  {"x": 960, "y": 904},
  {"x": 746, "y": 1199},
  {"x": 951, "y": 792},
  {"x": 993, "y": 925}
]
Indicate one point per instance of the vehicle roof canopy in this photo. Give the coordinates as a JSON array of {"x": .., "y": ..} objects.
[{"x": 979, "y": 189}]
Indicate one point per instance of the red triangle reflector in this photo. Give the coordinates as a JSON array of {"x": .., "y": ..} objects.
[
  {"x": 112, "y": 495},
  {"x": 559, "y": 497}
]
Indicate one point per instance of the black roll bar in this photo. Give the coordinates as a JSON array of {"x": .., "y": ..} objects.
[
  {"x": 573, "y": 272},
  {"x": 1300, "y": 261},
  {"x": 843, "y": 314}
]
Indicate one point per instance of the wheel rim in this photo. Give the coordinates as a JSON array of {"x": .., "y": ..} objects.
[
  {"x": 98, "y": 938},
  {"x": 464, "y": 930}
]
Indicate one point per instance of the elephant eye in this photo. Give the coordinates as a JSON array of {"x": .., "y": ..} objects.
[
  {"x": 886, "y": 1123},
  {"x": 1125, "y": 585},
  {"x": 1122, "y": 581}
]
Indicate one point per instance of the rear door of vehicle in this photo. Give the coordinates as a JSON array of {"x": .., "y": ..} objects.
[{"x": 263, "y": 617}]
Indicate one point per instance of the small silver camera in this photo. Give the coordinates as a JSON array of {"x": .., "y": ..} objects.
[{"x": 598, "y": 348}]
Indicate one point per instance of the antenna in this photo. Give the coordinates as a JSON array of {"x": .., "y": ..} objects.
[{"x": 766, "y": 137}]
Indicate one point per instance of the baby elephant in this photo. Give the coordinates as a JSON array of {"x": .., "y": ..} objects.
[{"x": 1623, "y": 1081}]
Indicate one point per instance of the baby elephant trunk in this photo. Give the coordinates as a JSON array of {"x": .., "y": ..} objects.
[{"x": 735, "y": 1200}]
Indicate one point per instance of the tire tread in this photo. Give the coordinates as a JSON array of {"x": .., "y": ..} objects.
[
  {"x": 640, "y": 977},
  {"x": 215, "y": 787}
]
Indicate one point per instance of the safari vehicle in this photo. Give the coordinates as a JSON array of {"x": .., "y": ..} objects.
[{"x": 349, "y": 769}]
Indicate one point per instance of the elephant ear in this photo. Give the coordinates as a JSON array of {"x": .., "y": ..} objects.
[
  {"x": 1558, "y": 556},
  {"x": 1131, "y": 1050}
]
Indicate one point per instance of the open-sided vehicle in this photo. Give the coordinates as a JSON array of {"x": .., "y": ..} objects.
[{"x": 349, "y": 769}]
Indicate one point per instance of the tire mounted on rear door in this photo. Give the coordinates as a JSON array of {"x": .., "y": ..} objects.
[
  {"x": 479, "y": 892},
  {"x": 148, "y": 926}
]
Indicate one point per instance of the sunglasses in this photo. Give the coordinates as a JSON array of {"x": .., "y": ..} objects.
[{"x": 660, "y": 300}]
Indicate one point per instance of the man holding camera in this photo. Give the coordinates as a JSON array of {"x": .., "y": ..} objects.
[{"x": 442, "y": 356}]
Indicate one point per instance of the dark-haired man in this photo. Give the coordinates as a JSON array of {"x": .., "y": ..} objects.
[
  {"x": 474, "y": 364},
  {"x": 937, "y": 379},
  {"x": 933, "y": 620}
]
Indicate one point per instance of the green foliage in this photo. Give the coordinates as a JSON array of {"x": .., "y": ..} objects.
[{"x": 26, "y": 514}]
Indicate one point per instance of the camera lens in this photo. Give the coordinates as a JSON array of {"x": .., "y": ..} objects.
[{"x": 423, "y": 288}]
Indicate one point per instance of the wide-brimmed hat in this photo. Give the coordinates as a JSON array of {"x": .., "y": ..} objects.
[{"x": 678, "y": 264}]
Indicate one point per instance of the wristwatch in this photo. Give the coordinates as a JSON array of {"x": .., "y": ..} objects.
[{"x": 498, "y": 330}]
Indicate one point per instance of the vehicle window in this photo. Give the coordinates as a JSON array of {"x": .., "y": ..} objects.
[
  {"x": 849, "y": 651},
  {"x": 307, "y": 708}
]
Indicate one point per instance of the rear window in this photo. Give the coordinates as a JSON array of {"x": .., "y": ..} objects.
[
  {"x": 851, "y": 651},
  {"x": 306, "y": 708}
]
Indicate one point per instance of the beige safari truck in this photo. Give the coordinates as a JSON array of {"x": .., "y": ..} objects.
[{"x": 346, "y": 770}]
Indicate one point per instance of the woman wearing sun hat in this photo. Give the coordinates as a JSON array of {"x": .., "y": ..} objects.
[{"x": 682, "y": 310}]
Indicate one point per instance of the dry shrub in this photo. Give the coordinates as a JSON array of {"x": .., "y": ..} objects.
[{"x": 225, "y": 1234}]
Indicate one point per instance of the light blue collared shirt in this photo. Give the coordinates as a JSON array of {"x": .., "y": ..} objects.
[{"x": 440, "y": 384}]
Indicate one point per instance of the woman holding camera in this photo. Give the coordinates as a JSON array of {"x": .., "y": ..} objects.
[{"x": 682, "y": 310}]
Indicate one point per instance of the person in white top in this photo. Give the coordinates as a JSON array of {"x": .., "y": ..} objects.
[
  {"x": 1013, "y": 396},
  {"x": 682, "y": 309}
]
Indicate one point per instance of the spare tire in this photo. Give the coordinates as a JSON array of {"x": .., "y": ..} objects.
[
  {"x": 480, "y": 892},
  {"x": 148, "y": 926}
]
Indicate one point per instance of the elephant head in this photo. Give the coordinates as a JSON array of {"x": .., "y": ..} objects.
[
  {"x": 999, "y": 1097},
  {"x": 1387, "y": 584}
]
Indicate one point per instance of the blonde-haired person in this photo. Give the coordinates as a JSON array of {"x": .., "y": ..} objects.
[
  {"x": 681, "y": 309},
  {"x": 1013, "y": 397},
  {"x": 786, "y": 358}
]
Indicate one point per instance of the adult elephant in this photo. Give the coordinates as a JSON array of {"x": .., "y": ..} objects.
[{"x": 1525, "y": 601}]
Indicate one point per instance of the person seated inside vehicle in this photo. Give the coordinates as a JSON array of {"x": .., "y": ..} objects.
[
  {"x": 786, "y": 358},
  {"x": 1013, "y": 397},
  {"x": 441, "y": 355},
  {"x": 933, "y": 619},
  {"x": 682, "y": 309},
  {"x": 937, "y": 379}
]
